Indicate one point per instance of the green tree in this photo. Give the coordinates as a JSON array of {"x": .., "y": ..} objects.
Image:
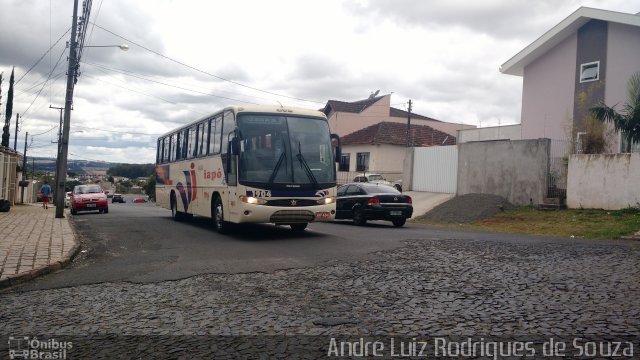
[
  {"x": 626, "y": 122},
  {"x": 150, "y": 188}
]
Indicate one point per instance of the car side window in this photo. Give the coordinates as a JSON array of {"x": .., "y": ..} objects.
[
  {"x": 342, "y": 190},
  {"x": 353, "y": 190}
]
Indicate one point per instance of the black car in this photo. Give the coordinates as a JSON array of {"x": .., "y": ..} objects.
[
  {"x": 365, "y": 201},
  {"x": 117, "y": 198}
]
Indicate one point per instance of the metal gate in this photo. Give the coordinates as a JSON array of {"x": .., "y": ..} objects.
[
  {"x": 558, "y": 167},
  {"x": 435, "y": 169}
]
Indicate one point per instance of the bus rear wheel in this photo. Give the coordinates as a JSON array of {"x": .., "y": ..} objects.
[
  {"x": 217, "y": 215},
  {"x": 298, "y": 227}
]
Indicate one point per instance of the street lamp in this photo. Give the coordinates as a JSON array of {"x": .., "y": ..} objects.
[{"x": 123, "y": 47}]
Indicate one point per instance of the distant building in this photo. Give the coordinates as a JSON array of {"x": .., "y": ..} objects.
[
  {"x": 348, "y": 117},
  {"x": 586, "y": 58}
]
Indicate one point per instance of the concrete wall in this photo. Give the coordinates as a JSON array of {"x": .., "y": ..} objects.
[
  {"x": 9, "y": 159},
  {"x": 515, "y": 170},
  {"x": 508, "y": 132},
  {"x": 608, "y": 181}
]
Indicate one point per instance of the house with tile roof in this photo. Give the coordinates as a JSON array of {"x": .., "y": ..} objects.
[
  {"x": 347, "y": 117},
  {"x": 382, "y": 147},
  {"x": 586, "y": 58}
]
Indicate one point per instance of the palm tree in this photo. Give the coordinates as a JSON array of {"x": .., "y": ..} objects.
[{"x": 628, "y": 121}]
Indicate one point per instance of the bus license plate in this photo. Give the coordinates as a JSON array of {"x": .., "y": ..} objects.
[
  {"x": 395, "y": 213},
  {"x": 323, "y": 215}
]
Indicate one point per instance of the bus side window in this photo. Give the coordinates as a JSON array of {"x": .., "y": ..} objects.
[
  {"x": 165, "y": 149},
  {"x": 184, "y": 137},
  {"x": 172, "y": 148},
  {"x": 191, "y": 142},
  {"x": 178, "y": 146},
  {"x": 215, "y": 132},
  {"x": 201, "y": 150},
  {"x": 159, "y": 151}
]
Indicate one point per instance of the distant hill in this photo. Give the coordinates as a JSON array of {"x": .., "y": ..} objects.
[{"x": 79, "y": 167}]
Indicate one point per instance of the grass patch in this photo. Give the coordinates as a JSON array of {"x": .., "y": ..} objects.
[{"x": 592, "y": 224}]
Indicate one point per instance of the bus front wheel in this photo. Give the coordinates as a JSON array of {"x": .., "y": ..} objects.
[
  {"x": 219, "y": 223},
  {"x": 298, "y": 227},
  {"x": 175, "y": 214}
]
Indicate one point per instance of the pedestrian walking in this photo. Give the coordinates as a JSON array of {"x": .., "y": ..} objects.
[{"x": 45, "y": 190}]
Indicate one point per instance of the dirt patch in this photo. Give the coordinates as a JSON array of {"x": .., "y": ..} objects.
[{"x": 468, "y": 208}]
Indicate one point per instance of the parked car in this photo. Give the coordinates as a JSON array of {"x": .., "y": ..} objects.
[
  {"x": 117, "y": 198},
  {"x": 378, "y": 179},
  {"x": 139, "y": 200},
  {"x": 371, "y": 201},
  {"x": 88, "y": 198}
]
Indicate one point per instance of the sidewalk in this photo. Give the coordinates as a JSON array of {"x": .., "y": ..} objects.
[{"x": 33, "y": 242}]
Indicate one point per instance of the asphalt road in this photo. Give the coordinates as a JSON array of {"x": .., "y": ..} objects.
[{"x": 141, "y": 243}]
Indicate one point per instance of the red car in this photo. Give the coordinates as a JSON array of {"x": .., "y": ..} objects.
[{"x": 88, "y": 198}]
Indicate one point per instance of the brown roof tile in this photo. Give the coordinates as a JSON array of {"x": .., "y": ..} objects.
[{"x": 396, "y": 134}]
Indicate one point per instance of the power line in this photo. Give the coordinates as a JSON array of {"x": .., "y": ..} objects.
[
  {"x": 204, "y": 72},
  {"x": 43, "y": 55}
]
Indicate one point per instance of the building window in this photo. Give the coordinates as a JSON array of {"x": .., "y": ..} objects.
[
  {"x": 362, "y": 161},
  {"x": 590, "y": 71},
  {"x": 345, "y": 162}
]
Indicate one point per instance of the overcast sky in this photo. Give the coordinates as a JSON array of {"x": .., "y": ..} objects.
[{"x": 188, "y": 58}]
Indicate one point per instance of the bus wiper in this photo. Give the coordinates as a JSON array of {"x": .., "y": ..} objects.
[
  {"x": 283, "y": 156},
  {"x": 305, "y": 166}
]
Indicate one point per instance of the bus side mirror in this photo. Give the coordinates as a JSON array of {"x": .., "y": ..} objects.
[
  {"x": 235, "y": 146},
  {"x": 337, "y": 148}
]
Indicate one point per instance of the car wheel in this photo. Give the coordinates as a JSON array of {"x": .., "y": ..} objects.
[
  {"x": 298, "y": 227},
  {"x": 358, "y": 217},
  {"x": 399, "y": 222},
  {"x": 175, "y": 214},
  {"x": 106, "y": 210},
  {"x": 219, "y": 223}
]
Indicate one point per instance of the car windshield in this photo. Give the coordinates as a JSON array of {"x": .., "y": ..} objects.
[
  {"x": 285, "y": 150},
  {"x": 87, "y": 189},
  {"x": 380, "y": 189},
  {"x": 375, "y": 177}
]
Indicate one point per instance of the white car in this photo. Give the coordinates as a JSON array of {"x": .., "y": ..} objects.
[{"x": 378, "y": 179}]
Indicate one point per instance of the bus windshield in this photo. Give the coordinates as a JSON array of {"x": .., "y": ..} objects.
[{"x": 277, "y": 151}]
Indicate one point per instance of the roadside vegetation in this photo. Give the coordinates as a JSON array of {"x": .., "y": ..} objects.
[{"x": 591, "y": 224}]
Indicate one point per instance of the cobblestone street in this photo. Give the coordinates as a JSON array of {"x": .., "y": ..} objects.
[{"x": 427, "y": 287}]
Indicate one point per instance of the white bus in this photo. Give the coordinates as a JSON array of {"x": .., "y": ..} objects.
[{"x": 250, "y": 164}]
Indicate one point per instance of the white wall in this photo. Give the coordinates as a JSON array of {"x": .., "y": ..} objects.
[
  {"x": 382, "y": 157},
  {"x": 607, "y": 181}
]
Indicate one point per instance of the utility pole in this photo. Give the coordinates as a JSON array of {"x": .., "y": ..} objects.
[
  {"x": 15, "y": 138},
  {"x": 24, "y": 167},
  {"x": 59, "y": 142},
  {"x": 409, "y": 142},
  {"x": 61, "y": 168}
]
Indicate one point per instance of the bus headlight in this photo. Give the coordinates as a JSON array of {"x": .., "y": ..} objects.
[
  {"x": 327, "y": 200},
  {"x": 252, "y": 200}
]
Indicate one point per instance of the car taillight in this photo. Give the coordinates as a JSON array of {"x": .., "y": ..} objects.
[
  {"x": 409, "y": 201},
  {"x": 373, "y": 201}
]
